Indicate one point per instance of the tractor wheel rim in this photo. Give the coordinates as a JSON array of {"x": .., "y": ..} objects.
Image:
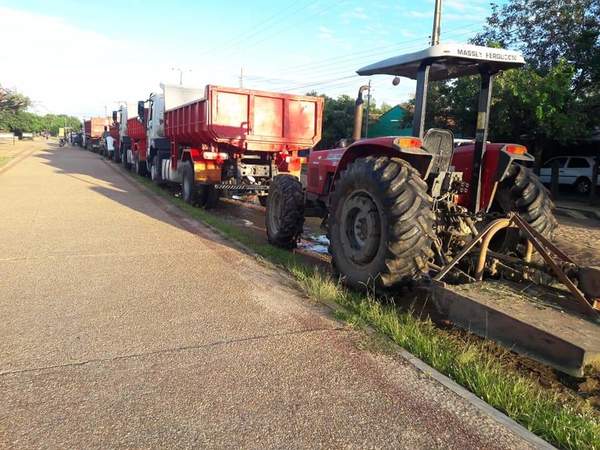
[{"x": 361, "y": 228}]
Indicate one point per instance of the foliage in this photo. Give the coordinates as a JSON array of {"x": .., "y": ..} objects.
[
  {"x": 34, "y": 123},
  {"x": 14, "y": 117},
  {"x": 11, "y": 101},
  {"x": 338, "y": 117},
  {"x": 555, "y": 98},
  {"x": 548, "y": 32}
]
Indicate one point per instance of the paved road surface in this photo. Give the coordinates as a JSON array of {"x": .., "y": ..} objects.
[{"x": 121, "y": 328}]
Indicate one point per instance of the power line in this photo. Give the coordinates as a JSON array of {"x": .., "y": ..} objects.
[
  {"x": 324, "y": 69},
  {"x": 251, "y": 31},
  {"x": 330, "y": 73}
]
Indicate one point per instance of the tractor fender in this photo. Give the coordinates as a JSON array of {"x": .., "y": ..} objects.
[
  {"x": 505, "y": 159},
  {"x": 416, "y": 157}
]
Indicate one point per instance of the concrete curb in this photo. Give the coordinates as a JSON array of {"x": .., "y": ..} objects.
[{"x": 420, "y": 365}]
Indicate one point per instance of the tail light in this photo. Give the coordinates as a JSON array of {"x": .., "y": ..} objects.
[
  {"x": 294, "y": 163},
  {"x": 214, "y": 156},
  {"x": 408, "y": 142},
  {"x": 516, "y": 149}
]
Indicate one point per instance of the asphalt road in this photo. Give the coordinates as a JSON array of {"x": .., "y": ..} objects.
[{"x": 123, "y": 328}]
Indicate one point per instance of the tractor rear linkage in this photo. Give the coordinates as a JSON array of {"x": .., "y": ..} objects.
[{"x": 585, "y": 289}]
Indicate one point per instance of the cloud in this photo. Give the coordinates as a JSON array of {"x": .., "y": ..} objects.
[
  {"x": 357, "y": 13},
  {"x": 66, "y": 68}
]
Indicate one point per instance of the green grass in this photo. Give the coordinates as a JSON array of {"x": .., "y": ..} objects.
[
  {"x": 568, "y": 424},
  {"x": 4, "y": 160}
]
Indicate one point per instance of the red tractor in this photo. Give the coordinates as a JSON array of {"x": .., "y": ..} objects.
[{"x": 398, "y": 207}]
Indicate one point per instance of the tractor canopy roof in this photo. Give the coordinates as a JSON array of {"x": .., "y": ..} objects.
[{"x": 447, "y": 61}]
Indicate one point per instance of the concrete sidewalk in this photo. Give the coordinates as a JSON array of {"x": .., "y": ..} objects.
[{"x": 121, "y": 328}]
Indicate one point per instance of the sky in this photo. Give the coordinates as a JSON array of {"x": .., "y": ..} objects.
[{"x": 84, "y": 58}]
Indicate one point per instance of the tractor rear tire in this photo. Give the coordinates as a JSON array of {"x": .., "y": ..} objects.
[
  {"x": 189, "y": 188},
  {"x": 285, "y": 211},
  {"x": 380, "y": 224},
  {"x": 522, "y": 191}
]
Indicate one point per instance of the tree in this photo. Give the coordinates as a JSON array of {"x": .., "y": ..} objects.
[
  {"x": 548, "y": 32},
  {"x": 338, "y": 119},
  {"x": 555, "y": 98},
  {"x": 12, "y": 102}
]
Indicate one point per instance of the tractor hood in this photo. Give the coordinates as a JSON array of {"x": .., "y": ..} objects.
[{"x": 447, "y": 61}]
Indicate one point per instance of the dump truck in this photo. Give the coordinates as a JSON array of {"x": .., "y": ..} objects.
[
  {"x": 135, "y": 154},
  {"x": 93, "y": 130},
  {"x": 225, "y": 139},
  {"x": 123, "y": 141}
]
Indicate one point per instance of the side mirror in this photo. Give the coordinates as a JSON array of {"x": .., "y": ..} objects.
[
  {"x": 114, "y": 116},
  {"x": 141, "y": 110}
]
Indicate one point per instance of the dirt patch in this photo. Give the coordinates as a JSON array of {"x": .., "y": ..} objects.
[{"x": 580, "y": 239}]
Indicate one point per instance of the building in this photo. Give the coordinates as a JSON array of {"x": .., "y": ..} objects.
[{"x": 388, "y": 124}]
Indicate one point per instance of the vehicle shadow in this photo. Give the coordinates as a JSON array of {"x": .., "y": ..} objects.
[{"x": 111, "y": 180}]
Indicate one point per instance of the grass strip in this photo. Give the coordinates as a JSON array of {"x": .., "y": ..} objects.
[
  {"x": 4, "y": 160},
  {"x": 565, "y": 424}
]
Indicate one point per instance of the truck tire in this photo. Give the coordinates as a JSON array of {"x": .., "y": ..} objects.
[
  {"x": 523, "y": 192},
  {"x": 380, "y": 223},
  {"x": 210, "y": 196},
  {"x": 126, "y": 165},
  {"x": 285, "y": 211},
  {"x": 156, "y": 171},
  {"x": 140, "y": 167},
  {"x": 189, "y": 189}
]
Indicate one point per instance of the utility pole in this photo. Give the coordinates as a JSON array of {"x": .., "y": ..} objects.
[
  {"x": 368, "y": 109},
  {"x": 241, "y": 77},
  {"x": 177, "y": 69},
  {"x": 437, "y": 20}
]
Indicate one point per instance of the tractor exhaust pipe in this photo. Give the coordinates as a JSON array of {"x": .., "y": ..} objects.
[{"x": 358, "y": 114}]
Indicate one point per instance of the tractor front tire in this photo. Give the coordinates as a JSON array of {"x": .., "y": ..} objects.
[
  {"x": 285, "y": 211},
  {"x": 380, "y": 224},
  {"x": 522, "y": 191}
]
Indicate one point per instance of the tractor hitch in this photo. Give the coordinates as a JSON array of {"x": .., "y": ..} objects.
[{"x": 583, "y": 282}]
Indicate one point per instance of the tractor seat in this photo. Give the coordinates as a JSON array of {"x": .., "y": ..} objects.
[{"x": 440, "y": 143}]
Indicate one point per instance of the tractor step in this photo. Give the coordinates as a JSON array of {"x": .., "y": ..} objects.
[
  {"x": 241, "y": 187},
  {"x": 534, "y": 320}
]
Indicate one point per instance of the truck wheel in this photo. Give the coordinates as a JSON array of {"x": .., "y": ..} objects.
[
  {"x": 523, "y": 192},
  {"x": 140, "y": 167},
  {"x": 189, "y": 190},
  {"x": 210, "y": 196},
  {"x": 285, "y": 211},
  {"x": 380, "y": 223},
  {"x": 126, "y": 165},
  {"x": 156, "y": 171}
]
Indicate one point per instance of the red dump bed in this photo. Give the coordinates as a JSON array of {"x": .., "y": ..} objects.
[
  {"x": 135, "y": 129},
  {"x": 94, "y": 127},
  {"x": 248, "y": 119}
]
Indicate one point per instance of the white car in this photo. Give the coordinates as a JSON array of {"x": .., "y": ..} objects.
[{"x": 572, "y": 170}]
